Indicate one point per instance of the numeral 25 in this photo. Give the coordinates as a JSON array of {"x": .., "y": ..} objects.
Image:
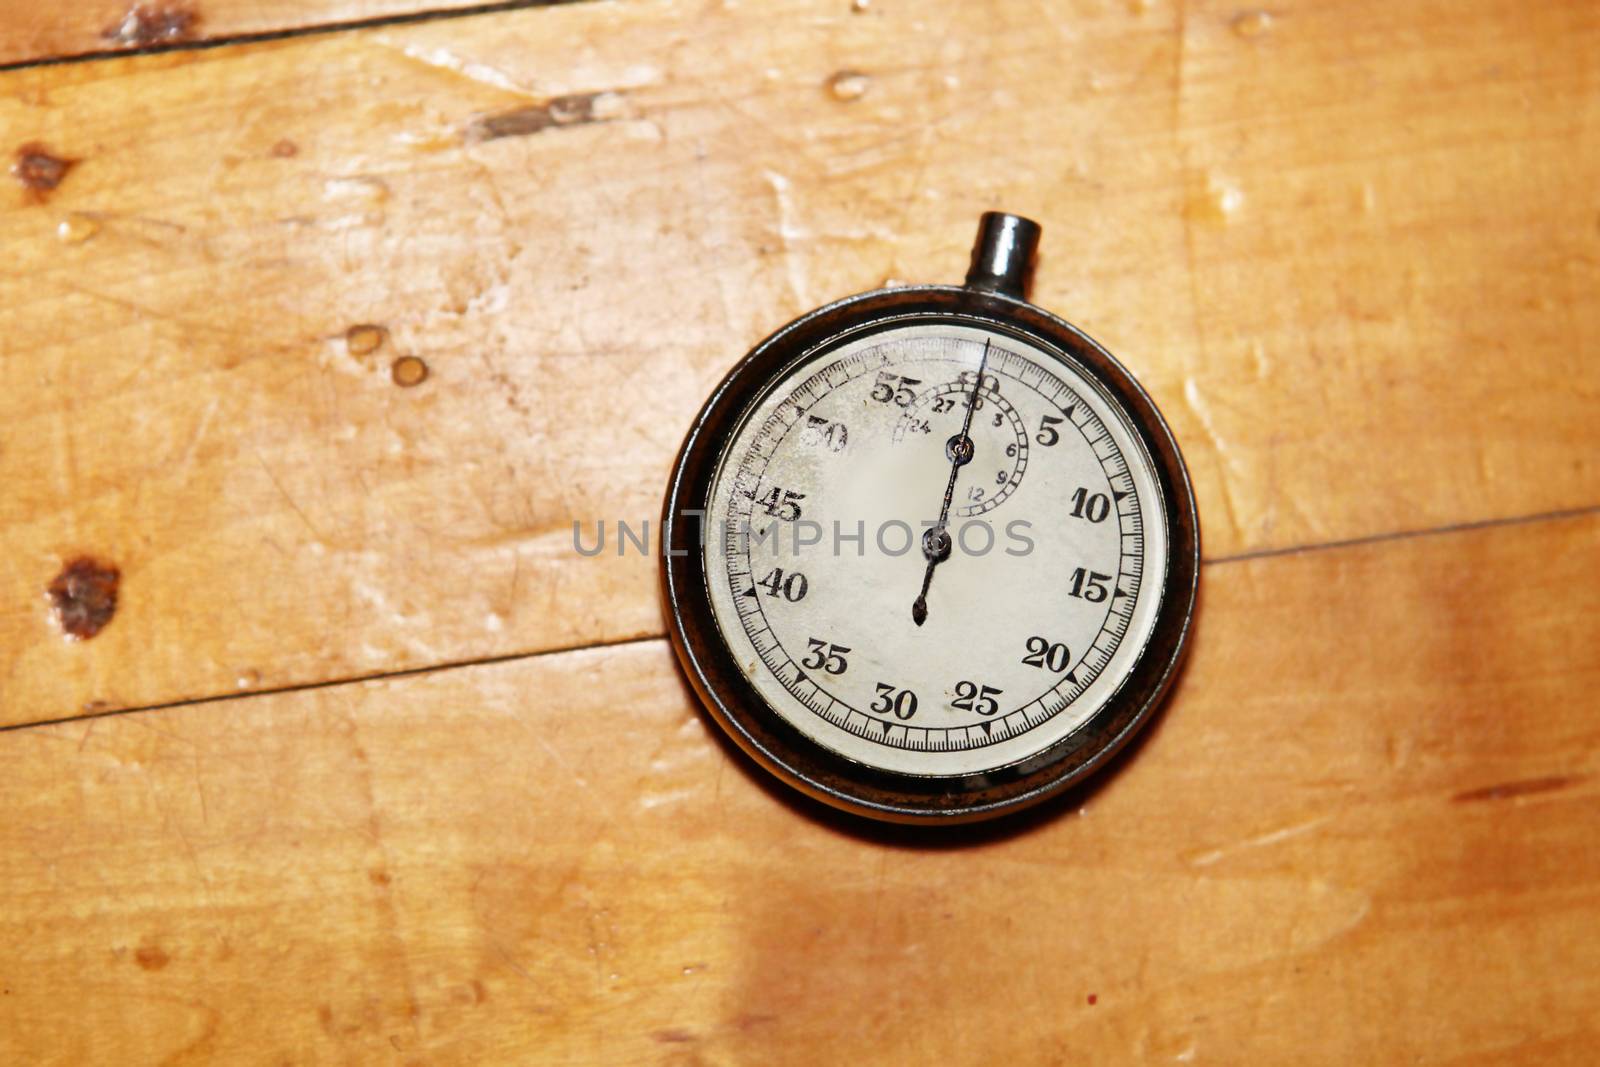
[{"x": 970, "y": 696}]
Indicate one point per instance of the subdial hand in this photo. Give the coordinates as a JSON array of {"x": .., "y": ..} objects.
[{"x": 936, "y": 541}]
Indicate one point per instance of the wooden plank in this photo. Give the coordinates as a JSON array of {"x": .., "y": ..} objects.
[
  {"x": 1415, "y": 186},
  {"x": 180, "y": 397},
  {"x": 31, "y": 31},
  {"x": 1363, "y": 831}
]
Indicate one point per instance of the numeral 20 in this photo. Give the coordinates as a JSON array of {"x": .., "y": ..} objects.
[{"x": 1047, "y": 656}]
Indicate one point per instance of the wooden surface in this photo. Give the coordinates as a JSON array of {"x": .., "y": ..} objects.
[
  {"x": 33, "y": 30},
  {"x": 1352, "y": 249}
]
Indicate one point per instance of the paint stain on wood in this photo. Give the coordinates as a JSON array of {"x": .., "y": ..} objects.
[
  {"x": 673, "y": 1036},
  {"x": 84, "y": 596},
  {"x": 1520, "y": 788},
  {"x": 152, "y": 24},
  {"x": 848, "y": 85},
  {"x": 364, "y": 339},
  {"x": 151, "y": 957},
  {"x": 577, "y": 109},
  {"x": 39, "y": 169},
  {"x": 408, "y": 371}
]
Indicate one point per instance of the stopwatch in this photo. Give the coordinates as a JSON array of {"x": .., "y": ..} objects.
[{"x": 930, "y": 554}]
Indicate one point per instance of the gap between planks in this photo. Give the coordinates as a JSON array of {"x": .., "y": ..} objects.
[
  {"x": 203, "y": 43},
  {"x": 1561, "y": 515}
]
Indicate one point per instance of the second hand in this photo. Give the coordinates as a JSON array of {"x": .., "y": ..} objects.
[{"x": 936, "y": 542}]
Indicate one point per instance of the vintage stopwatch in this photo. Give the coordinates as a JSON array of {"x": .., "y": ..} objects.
[{"x": 930, "y": 553}]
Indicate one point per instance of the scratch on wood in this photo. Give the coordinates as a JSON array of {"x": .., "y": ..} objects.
[
  {"x": 1271, "y": 837},
  {"x": 673, "y": 1036},
  {"x": 1520, "y": 788},
  {"x": 289, "y": 499},
  {"x": 187, "y": 462},
  {"x": 577, "y": 109},
  {"x": 1230, "y": 469},
  {"x": 444, "y": 59}
]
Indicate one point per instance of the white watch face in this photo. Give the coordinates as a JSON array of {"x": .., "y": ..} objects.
[{"x": 912, "y": 644}]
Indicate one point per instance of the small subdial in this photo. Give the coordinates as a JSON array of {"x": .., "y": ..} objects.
[{"x": 999, "y": 439}]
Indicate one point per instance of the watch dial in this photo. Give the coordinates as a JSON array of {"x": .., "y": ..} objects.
[{"x": 908, "y": 644}]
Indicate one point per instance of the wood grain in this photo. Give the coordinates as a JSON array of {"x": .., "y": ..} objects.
[
  {"x": 1351, "y": 248},
  {"x": 1363, "y": 831},
  {"x": 31, "y": 30}
]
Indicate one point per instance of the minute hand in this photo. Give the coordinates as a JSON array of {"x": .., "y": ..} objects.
[{"x": 936, "y": 542}]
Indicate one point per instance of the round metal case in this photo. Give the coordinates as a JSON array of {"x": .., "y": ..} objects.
[{"x": 837, "y": 757}]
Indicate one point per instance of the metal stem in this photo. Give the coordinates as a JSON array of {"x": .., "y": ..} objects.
[{"x": 1002, "y": 256}]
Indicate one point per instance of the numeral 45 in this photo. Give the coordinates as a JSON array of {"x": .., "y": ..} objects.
[{"x": 781, "y": 504}]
